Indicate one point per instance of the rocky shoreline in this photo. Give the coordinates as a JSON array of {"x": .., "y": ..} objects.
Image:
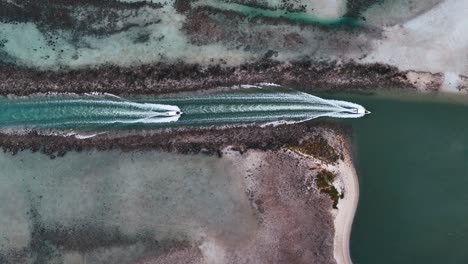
[
  {"x": 184, "y": 141},
  {"x": 160, "y": 79}
]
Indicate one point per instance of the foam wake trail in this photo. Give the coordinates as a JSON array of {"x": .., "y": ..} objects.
[
  {"x": 258, "y": 105},
  {"x": 81, "y": 112},
  {"x": 101, "y": 112}
]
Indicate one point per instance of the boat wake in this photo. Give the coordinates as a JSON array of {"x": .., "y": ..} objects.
[
  {"x": 257, "y": 104},
  {"x": 81, "y": 111},
  {"x": 266, "y": 104}
]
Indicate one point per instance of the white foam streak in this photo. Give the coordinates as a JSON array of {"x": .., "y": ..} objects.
[
  {"x": 260, "y": 106},
  {"x": 269, "y": 84},
  {"x": 78, "y": 136},
  {"x": 146, "y": 120},
  {"x": 150, "y": 120},
  {"x": 247, "y": 86},
  {"x": 274, "y": 107}
]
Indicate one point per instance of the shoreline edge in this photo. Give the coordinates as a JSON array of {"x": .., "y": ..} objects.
[{"x": 344, "y": 216}]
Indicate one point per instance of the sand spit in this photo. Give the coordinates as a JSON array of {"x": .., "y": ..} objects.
[
  {"x": 286, "y": 219},
  {"x": 347, "y": 184},
  {"x": 346, "y": 209}
]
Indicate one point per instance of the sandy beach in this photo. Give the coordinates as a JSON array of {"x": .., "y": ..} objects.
[{"x": 346, "y": 209}]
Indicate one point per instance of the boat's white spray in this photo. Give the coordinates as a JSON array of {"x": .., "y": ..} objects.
[
  {"x": 250, "y": 104},
  {"x": 82, "y": 111},
  {"x": 253, "y": 103}
]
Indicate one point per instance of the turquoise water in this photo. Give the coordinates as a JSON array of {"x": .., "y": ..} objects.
[
  {"x": 107, "y": 112},
  {"x": 412, "y": 161},
  {"x": 79, "y": 112}
]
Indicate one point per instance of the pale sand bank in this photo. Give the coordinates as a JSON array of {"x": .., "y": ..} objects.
[
  {"x": 347, "y": 182},
  {"x": 346, "y": 209}
]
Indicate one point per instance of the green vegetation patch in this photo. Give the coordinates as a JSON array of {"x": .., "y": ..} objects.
[
  {"x": 318, "y": 147},
  {"x": 324, "y": 183}
]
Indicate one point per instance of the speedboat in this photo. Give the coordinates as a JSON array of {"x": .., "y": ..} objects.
[
  {"x": 167, "y": 113},
  {"x": 173, "y": 113},
  {"x": 348, "y": 109}
]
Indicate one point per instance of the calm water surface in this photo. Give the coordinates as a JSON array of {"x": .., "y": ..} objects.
[{"x": 412, "y": 161}]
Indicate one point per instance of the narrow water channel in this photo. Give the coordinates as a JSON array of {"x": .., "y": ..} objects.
[{"x": 108, "y": 112}]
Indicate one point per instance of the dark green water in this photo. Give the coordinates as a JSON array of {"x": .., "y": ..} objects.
[{"x": 412, "y": 162}]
